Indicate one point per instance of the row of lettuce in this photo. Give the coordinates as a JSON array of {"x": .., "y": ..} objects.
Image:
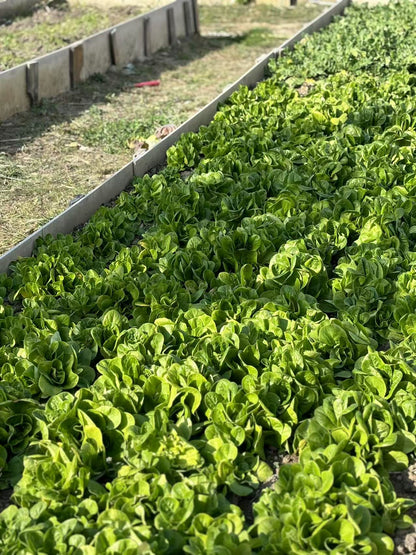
[{"x": 257, "y": 294}]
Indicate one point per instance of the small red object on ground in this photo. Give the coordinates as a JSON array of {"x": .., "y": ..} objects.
[{"x": 155, "y": 83}]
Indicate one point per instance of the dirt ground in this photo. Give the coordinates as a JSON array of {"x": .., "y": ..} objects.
[
  {"x": 405, "y": 486},
  {"x": 275, "y": 460},
  {"x": 66, "y": 146}
]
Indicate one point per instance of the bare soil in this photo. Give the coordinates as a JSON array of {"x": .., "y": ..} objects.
[
  {"x": 5, "y": 495},
  {"x": 405, "y": 486},
  {"x": 275, "y": 460}
]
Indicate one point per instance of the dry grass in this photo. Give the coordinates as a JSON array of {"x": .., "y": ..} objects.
[
  {"x": 52, "y": 26},
  {"x": 69, "y": 145}
]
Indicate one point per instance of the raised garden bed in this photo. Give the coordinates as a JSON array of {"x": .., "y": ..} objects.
[{"x": 253, "y": 298}]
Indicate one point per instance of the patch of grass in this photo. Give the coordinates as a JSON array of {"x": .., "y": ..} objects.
[
  {"x": 44, "y": 107},
  {"x": 10, "y": 172},
  {"x": 260, "y": 36},
  {"x": 114, "y": 136},
  {"x": 32, "y": 36},
  {"x": 221, "y": 16},
  {"x": 19, "y": 46}
]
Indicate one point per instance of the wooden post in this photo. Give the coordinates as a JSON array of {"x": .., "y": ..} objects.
[
  {"x": 146, "y": 36},
  {"x": 32, "y": 81},
  {"x": 114, "y": 51},
  {"x": 76, "y": 62},
  {"x": 187, "y": 18},
  {"x": 195, "y": 14},
  {"x": 173, "y": 39}
]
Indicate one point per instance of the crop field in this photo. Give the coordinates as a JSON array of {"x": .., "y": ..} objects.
[
  {"x": 86, "y": 135},
  {"x": 224, "y": 360}
]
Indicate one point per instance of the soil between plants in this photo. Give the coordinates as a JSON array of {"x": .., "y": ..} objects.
[
  {"x": 5, "y": 495},
  {"x": 275, "y": 460},
  {"x": 405, "y": 485}
]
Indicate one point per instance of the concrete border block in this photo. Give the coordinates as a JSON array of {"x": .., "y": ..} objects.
[
  {"x": 76, "y": 63},
  {"x": 179, "y": 19},
  {"x": 159, "y": 35},
  {"x": 130, "y": 41},
  {"x": 97, "y": 55},
  {"x": 187, "y": 17},
  {"x": 195, "y": 16},
  {"x": 13, "y": 94},
  {"x": 54, "y": 73}
]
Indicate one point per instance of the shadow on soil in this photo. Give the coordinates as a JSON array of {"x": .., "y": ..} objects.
[{"x": 25, "y": 127}]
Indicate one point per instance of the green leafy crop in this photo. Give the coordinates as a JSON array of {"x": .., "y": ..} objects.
[{"x": 256, "y": 296}]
